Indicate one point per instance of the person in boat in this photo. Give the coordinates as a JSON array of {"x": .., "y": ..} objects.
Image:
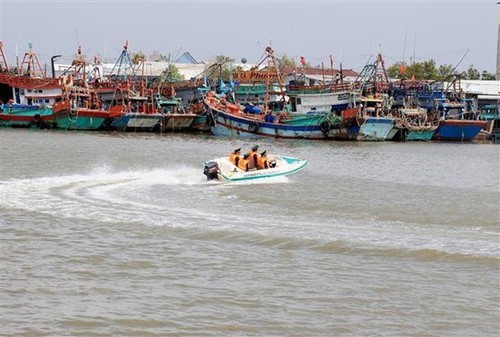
[
  {"x": 269, "y": 118},
  {"x": 250, "y": 108},
  {"x": 262, "y": 161},
  {"x": 234, "y": 157},
  {"x": 253, "y": 155},
  {"x": 243, "y": 163}
]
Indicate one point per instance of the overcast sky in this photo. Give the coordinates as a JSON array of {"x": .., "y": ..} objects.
[{"x": 351, "y": 31}]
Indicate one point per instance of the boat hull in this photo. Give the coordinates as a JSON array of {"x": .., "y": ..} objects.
[
  {"x": 284, "y": 166},
  {"x": 177, "y": 122},
  {"x": 376, "y": 129},
  {"x": 139, "y": 122},
  {"x": 25, "y": 117},
  {"x": 459, "y": 130},
  {"x": 425, "y": 135}
]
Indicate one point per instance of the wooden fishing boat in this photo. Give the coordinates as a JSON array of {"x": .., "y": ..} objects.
[
  {"x": 272, "y": 119},
  {"x": 376, "y": 128},
  {"x": 29, "y": 94},
  {"x": 416, "y": 125},
  {"x": 80, "y": 108},
  {"x": 458, "y": 120},
  {"x": 175, "y": 117},
  {"x": 323, "y": 98},
  {"x": 491, "y": 114},
  {"x": 26, "y": 116},
  {"x": 229, "y": 119}
]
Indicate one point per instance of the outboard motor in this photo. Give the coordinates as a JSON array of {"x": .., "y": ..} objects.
[{"x": 211, "y": 169}]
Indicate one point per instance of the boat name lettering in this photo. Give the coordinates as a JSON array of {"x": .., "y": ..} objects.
[{"x": 254, "y": 76}]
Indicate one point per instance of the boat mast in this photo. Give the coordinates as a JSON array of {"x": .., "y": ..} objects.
[
  {"x": 4, "y": 66},
  {"x": 30, "y": 60}
]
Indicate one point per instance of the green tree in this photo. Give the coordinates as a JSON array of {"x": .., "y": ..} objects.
[
  {"x": 444, "y": 71},
  {"x": 427, "y": 70},
  {"x": 487, "y": 76},
  {"x": 138, "y": 57},
  {"x": 221, "y": 67},
  {"x": 173, "y": 74},
  {"x": 156, "y": 56},
  {"x": 471, "y": 73},
  {"x": 394, "y": 71},
  {"x": 285, "y": 61}
]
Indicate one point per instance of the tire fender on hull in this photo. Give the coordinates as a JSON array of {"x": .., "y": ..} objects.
[
  {"x": 253, "y": 127},
  {"x": 325, "y": 126}
]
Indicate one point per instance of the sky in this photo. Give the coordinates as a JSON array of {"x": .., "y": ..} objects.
[{"x": 457, "y": 33}]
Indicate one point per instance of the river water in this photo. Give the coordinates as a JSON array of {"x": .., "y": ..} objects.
[{"x": 109, "y": 234}]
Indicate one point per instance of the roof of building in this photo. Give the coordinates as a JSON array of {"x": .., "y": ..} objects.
[{"x": 186, "y": 58}]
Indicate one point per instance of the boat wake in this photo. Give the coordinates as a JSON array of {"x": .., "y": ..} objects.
[{"x": 98, "y": 194}]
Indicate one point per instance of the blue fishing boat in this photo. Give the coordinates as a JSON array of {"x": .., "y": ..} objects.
[{"x": 458, "y": 120}]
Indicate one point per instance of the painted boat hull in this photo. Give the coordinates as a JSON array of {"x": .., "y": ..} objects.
[
  {"x": 376, "y": 128},
  {"x": 425, "y": 135},
  {"x": 459, "y": 130},
  {"x": 229, "y": 120},
  {"x": 26, "y": 117},
  {"x": 80, "y": 120},
  {"x": 139, "y": 122},
  {"x": 68, "y": 118},
  {"x": 229, "y": 125},
  {"x": 284, "y": 166},
  {"x": 177, "y": 122},
  {"x": 200, "y": 124}
]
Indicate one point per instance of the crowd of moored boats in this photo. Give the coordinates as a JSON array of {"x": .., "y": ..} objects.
[{"x": 370, "y": 107}]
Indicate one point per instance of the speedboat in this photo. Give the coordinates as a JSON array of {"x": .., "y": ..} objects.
[{"x": 223, "y": 170}]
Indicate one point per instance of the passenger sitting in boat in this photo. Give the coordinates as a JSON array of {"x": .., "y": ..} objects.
[
  {"x": 269, "y": 118},
  {"x": 249, "y": 108},
  {"x": 262, "y": 161},
  {"x": 254, "y": 157},
  {"x": 234, "y": 157},
  {"x": 243, "y": 163}
]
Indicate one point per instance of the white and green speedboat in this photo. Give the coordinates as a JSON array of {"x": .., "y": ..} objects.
[{"x": 223, "y": 170}]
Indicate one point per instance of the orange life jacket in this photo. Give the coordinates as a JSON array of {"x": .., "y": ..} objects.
[
  {"x": 233, "y": 156},
  {"x": 262, "y": 163},
  {"x": 253, "y": 157},
  {"x": 243, "y": 164}
]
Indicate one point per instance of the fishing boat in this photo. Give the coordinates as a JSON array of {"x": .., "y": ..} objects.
[
  {"x": 324, "y": 98},
  {"x": 416, "y": 125},
  {"x": 25, "y": 116},
  {"x": 80, "y": 108},
  {"x": 491, "y": 114},
  {"x": 376, "y": 124},
  {"x": 458, "y": 120},
  {"x": 175, "y": 117},
  {"x": 230, "y": 120},
  {"x": 223, "y": 170},
  {"x": 28, "y": 93}
]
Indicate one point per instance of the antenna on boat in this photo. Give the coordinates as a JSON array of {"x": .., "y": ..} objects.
[{"x": 453, "y": 70}]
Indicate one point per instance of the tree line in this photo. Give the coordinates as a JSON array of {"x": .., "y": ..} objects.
[
  {"x": 428, "y": 70},
  {"x": 424, "y": 70}
]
